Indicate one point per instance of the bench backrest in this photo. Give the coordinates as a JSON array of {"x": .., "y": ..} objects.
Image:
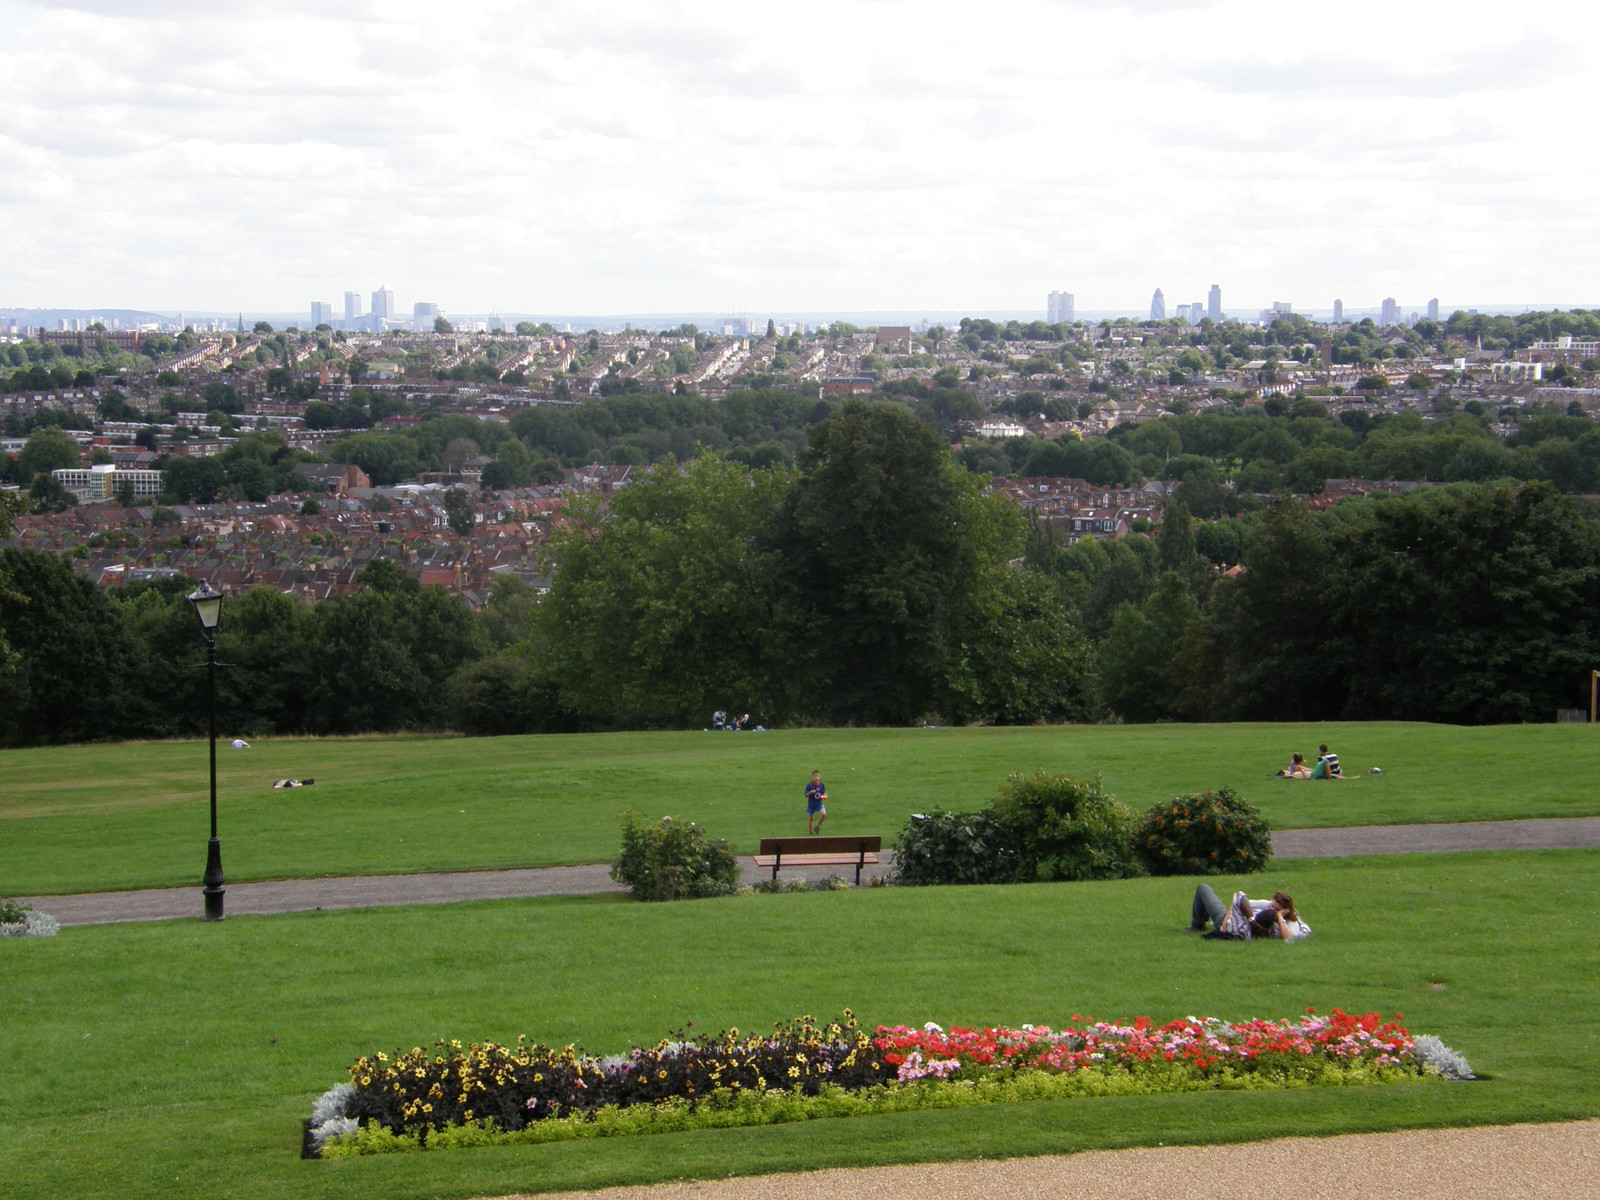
[{"x": 822, "y": 845}]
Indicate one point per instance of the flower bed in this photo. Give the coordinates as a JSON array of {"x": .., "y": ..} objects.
[
  {"x": 23, "y": 920},
  {"x": 486, "y": 1093}
]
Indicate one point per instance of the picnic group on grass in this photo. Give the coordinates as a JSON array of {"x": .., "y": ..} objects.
[{"x": 1327, "y": 766}]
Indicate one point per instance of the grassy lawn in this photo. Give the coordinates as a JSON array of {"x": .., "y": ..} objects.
[
  {"x": 108, "y": 817},
  {"x": 176, "y": 1060}
]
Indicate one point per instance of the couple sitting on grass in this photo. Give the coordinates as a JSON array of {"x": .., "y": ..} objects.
[
  {"x": 1327, "y": 767},
  {"x": 1245, "y": 918}
]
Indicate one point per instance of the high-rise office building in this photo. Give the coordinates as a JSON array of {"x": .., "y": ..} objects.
[
  {"x": 1158, "y": 306},
  {"x": 1338, "y": 312},
  {"x": 1059, "y": 310},
  {"x": 321, "y": 313},
  {"x": 1197, "y": 313},
  {"x": 1390, "y": 315},
  {"x": 1214, "y": 302},
  {"x": 383, "y": 304},
  {"x": 1433, "y": 309},
  {"x": 423, "y": 316},
  {"x": 352, "y": 306}
]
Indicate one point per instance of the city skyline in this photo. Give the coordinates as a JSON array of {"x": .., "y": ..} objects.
[
  {"x": 1058, "y": 307},
  {"x": 844, "y": 157}
]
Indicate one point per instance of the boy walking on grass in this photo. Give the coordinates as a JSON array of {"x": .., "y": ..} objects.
[{"x": 816, "y": 803}]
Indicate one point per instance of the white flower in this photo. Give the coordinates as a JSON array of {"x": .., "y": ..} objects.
[
  {"x": 332, "y": 1103},
  {"x": 333, "y": 1128}
]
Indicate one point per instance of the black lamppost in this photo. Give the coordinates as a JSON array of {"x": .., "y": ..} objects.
[{"x": 208, "y": 607}]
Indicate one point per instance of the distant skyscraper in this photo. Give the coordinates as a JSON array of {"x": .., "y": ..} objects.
[
  {"x": 1433, "y": 309},
  {"x": 383, "y": 304},
  {"x": 352, "y": 306},
  {"x": 1214, "y": 302},
  {"x": 1158, "y": 306},
  {"x": 321, "y": 313},
  {"x": 1338, "y": 312},
  {"x": 423, "y": 316},
  {"x": 1059, "y": 311},
  {"x": 1197, "y": 313},
  {"x": 1390, "y": 314}
]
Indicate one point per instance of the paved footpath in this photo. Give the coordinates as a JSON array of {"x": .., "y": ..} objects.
[
  {"x": 1520, "y": 1162},
  {"x": 374, "y": 891}
]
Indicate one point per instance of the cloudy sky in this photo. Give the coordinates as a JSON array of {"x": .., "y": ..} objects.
[{"x": 654, "y": 156}]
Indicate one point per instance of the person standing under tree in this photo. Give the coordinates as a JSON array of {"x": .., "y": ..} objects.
[{"x": 816, "y": 803}]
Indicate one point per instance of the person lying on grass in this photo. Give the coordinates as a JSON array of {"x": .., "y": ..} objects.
[
  {"x": 1246, "y": 919},
  {"x": 1296, "y": 769}
]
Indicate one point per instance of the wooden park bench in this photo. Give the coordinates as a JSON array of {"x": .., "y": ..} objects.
[{"x": 819, "y": 851}]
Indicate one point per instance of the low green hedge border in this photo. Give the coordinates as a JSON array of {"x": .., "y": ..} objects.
[{"x": 724, "y": 1109}]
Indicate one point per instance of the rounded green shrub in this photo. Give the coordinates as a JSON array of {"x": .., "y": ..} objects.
[
  {"x": 948, "y": 847},
  {"x": 1067, "y": 829},
  {"x": 669, "y": 860},
  {"x": 1204, "y": 833},
  {"x": 1039, "y": 828}
]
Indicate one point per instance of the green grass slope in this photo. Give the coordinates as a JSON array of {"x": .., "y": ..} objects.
[
  {"x": 176, "y": 1060},
  {"x": 91, "y": 818}
]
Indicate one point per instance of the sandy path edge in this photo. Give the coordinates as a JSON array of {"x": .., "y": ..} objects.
[{"x": 1500, "y": 1162}]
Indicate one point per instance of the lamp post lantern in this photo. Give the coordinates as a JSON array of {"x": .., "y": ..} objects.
[{"x": 208, "y": 607}]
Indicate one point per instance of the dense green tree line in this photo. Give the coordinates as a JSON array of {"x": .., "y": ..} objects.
[
  {"x": 874, "y": 581},
  {"x": 871, "y": 585},
  {"x": 90, "y": 665},
  {"x": 756, "y": 428},
  {"x": 1286, "y": 445},
  {"x": 256, "y": 466},
  {"x": 1219, "y": 460},
  {"x": 43, "y": 366},
  {"x": 1474, "y": 603}
]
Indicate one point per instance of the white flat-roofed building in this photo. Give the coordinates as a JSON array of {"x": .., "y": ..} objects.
[{"x": 100, "y": 482}]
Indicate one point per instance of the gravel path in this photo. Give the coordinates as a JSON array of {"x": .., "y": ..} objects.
[
  {"x": 1513, "y": 1162},
  {"x": 373, "y": 891}
]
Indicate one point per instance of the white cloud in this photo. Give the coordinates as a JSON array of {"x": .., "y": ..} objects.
[{"x": 671, "y": 156}]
